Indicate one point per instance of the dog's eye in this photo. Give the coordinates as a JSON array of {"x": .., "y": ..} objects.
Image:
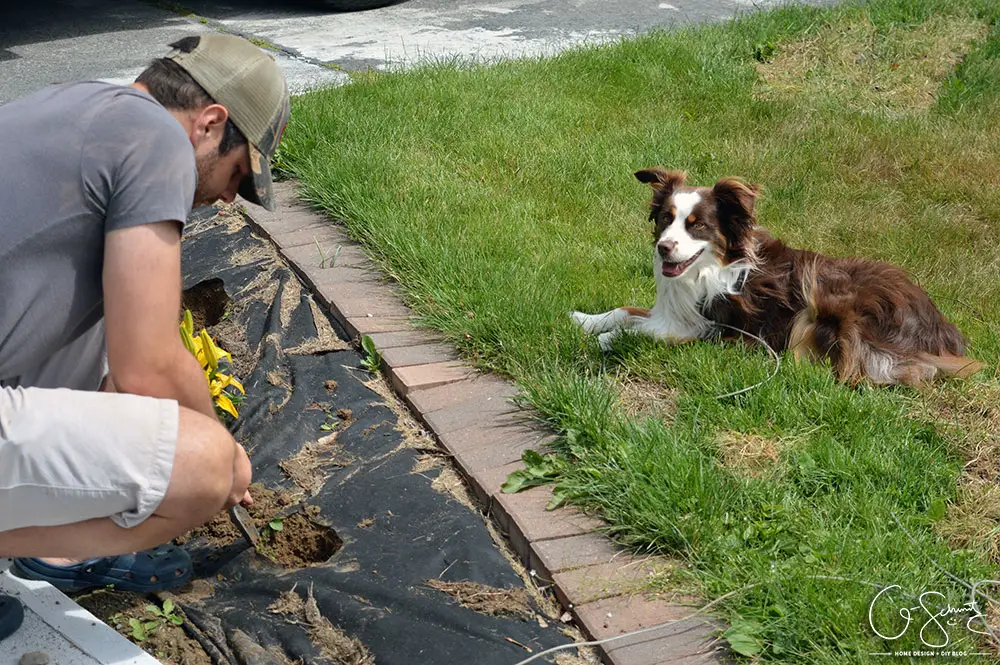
[{"x": 696, "y": 225}]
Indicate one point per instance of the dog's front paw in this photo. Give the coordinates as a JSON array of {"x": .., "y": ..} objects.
[
  {"x": 606, "y": 341},
  {"x": 584, "y": 321}
]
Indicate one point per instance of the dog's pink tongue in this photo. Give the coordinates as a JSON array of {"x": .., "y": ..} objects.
[{"x": 672, "y": 269}]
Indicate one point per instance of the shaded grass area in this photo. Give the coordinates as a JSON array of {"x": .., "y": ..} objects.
[{"x": 501, "y": 197}]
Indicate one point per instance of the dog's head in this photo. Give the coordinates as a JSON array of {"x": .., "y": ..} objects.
[{"x": 696, "y": 224}]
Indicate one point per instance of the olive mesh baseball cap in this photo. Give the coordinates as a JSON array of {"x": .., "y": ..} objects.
[{"x": 248, "y": 82}]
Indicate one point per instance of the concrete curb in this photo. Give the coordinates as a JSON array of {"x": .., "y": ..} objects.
[
  {"x": 471, "y": 415},
  {"x": 64, "y": 631}
]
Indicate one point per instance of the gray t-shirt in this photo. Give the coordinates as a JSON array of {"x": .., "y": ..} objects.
[{"x": 76, "y": 162}]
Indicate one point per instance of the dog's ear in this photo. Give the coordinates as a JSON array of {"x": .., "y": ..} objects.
[
  {"x": 735, "y": 203},
  {"x": 663, "y": 183},
  {"x": 661, "y": 179}
]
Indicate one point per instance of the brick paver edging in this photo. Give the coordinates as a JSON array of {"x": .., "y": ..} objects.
[{"x": 472, "y": 417}]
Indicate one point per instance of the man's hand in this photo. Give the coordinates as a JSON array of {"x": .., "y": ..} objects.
[
  {"x": 242, "y": 475},
  {"x": 242, "y": 471}
]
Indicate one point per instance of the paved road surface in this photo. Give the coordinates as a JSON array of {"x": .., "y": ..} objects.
[{"x": 49, "y": 41}]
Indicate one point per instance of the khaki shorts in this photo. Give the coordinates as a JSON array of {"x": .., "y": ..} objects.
[{"x": 69, "y": 453}]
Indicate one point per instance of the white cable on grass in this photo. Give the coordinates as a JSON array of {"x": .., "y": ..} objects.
[
  {"x": 973, "y": 589},
  {"x": 777, "y": 363},
  {"x": 632, "y": 633}
]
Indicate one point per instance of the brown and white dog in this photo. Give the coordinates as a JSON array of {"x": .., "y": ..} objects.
[{"x": 717, "y": 271}]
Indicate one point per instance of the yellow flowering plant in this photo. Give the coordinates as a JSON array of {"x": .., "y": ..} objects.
[{"x": 204, "y": 348}]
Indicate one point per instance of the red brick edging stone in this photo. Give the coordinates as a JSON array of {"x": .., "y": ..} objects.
[{"x": 472, "y": 417}]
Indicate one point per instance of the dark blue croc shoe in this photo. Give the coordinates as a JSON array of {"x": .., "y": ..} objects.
[
  {"x": 158, "y": 569},
  {"x": 11, "y": 616}
]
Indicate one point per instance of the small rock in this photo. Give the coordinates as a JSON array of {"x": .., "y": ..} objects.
[{"x": 34, "y": 658}]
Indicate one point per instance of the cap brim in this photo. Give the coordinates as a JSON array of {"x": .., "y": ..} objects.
[{"x": 258, "y": 186}]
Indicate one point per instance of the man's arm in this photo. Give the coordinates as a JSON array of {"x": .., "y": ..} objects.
[{"x": 142, "y": 300}]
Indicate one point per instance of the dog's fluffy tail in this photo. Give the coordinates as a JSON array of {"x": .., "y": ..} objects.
[
  {"x": 949, "y": 365},
  {"x": 926, "y": 367}
]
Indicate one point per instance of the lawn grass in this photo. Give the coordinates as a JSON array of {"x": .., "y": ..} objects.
[{"x": 501, "y": 197}]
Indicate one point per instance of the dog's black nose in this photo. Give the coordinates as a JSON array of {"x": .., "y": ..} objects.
[{"x": 666, "y": 248}]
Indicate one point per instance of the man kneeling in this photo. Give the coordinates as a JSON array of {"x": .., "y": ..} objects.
[{"x": 109, "y": 443}]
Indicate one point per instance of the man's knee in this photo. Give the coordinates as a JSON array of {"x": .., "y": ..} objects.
[{"x": 205, "y": 467}]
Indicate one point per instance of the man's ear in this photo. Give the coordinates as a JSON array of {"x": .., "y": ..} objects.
[
  {"x": 735, "y": 206},
  {"x": 661, "y": 179},
  {"x": 210, "y": 124}
]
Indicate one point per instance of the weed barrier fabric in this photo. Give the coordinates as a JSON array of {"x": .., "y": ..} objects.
[{"x": 397, "y": 532}]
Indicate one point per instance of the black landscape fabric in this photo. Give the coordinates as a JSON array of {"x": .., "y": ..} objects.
[{"x": 308, "y": 410}]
